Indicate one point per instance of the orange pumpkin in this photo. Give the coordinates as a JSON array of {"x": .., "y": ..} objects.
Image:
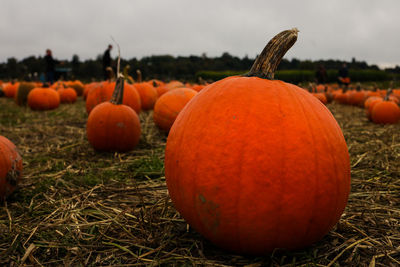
[
  {"x": 385, "y": 111},
  {"x": 321, "y": 97},
  {"x": 255, "y": 164},
  {"x": 169, "y": 105},
  {"x": 161, "y": 88},
  {"x": 174, "y": 84},
  {"x": 112, "y": 126},
  {"x": 369, "y": 100},
  {"x": 42, "y": 98},
  {"x": 10, "y": 167},
  {"x": 77, "y": 86},
  {"x": 356, "y": 98},
  {"x": 340, "y": 97},
  {"x": 103, "y": 91},
  {"x": 89, "y": 87},
  {"x": 98, "y": 94},
  {"x": 328, "y": 94},
  {"x": 148, "y": 94},
  {"x": 10, "y": 89},
  {"x": 131, "y": 96},
  {"x": 67, "y": 95},
  {"x": 198, "y": 87}
]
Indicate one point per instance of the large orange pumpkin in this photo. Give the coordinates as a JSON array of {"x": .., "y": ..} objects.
[
  {"x": 255, "y": 164},
  {"x": 10, "y": 167},
  {"x": 112, "y": 126},
  {"x": 169, "y": 105}
]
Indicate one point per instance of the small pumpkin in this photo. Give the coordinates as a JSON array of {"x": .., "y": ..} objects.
[
  {"x": 43, "y": 98},
  {"x": 198, "y": 87},
  {"x": 321, "y": 97},
  {"x": 169, "y": 105},
  {"x": 356, "y": 97},
  {"x": 174, "y": 84},
  {"x": 10, "y": 167},
  {"x": 67, "y": 95},
  {"x": 112, "y": 126},
  {"x": 24, "y": 88},
  {"x": 386, "y": 111},
  {"x": 77, "y": 86},
  {"x": 255, "y": 164},
  {"x": 340, "y": 96},
  {"x": 328, "y": 94},
  {"x": 148, "y": 94},
  {"x": 103, "y": 92},
  {"x": 10, "y": 89},
  {"x": 161, "y": 88}
]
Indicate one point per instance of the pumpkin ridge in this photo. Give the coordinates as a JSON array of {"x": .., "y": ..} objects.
[
  {"x": 239, "y": 198},
  {"x": 336, "y": 173},
  {"x": 282, "y": 187},
  {"x": 315, "y": 160}
]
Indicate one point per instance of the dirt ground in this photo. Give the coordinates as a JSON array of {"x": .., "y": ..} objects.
[{"x": 77, "y": 207}]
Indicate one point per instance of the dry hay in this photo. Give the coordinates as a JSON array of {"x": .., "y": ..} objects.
[{"x": 76, "y": 207}]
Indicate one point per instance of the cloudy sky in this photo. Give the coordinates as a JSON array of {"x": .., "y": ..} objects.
[{"x": 368, "y": 30}]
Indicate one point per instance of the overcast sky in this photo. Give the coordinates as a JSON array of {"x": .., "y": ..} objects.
[{"x": 368, "y": 30}]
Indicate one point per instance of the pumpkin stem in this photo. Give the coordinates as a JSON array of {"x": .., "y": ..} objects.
[
  {"x": 389, "y": 91},
  {"x": 139, "y": 76},
  {"x": 267, "y": 62},
  {"x": 119, "y": 57},
  {"x": 118, "y": 94},
  {"x": 155, "y": 84}
]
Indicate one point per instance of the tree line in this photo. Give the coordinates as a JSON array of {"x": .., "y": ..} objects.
[{"x": 165, "y": 67}]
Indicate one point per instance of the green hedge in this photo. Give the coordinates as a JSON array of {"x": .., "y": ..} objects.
[{"x": 298, "y": 76}]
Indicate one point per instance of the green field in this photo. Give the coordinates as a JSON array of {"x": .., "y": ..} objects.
[{"x": 78, "y": 207}]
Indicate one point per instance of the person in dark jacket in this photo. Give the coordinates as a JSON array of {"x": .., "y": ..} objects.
[
  {"x": 107, "y": 61},
  {"x": 321, "y": 74},
  {"x": 344, "y": 78},
  {"x": 50, "y": 66}
]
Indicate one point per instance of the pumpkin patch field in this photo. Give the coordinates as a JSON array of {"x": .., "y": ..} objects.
[
  {"x": 76, "y": 206},
  {"x": 243, "y": 171}
]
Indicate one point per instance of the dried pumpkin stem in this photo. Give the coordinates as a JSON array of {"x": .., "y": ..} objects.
[
  {"x": 389, "y": 91},
  {"x": 119, "y": 57},
  {"x": 267, "y": 62},
  {"x": 118, "y": 94},
  {"x": 139, "y": 76}
]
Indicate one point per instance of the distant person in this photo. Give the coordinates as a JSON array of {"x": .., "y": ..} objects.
[
  {"x": 321, "y": 74},
  {"x": 50, "y": 66},
  {"x": 344, "y": 78},
  {"x": 107, "y": 61}
]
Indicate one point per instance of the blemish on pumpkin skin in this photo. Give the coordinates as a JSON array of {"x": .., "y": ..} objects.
[
  {"x": 209, "y": 214},
  {"x": 120, "y": 125},
  {"x": 202, "y": 199}
]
